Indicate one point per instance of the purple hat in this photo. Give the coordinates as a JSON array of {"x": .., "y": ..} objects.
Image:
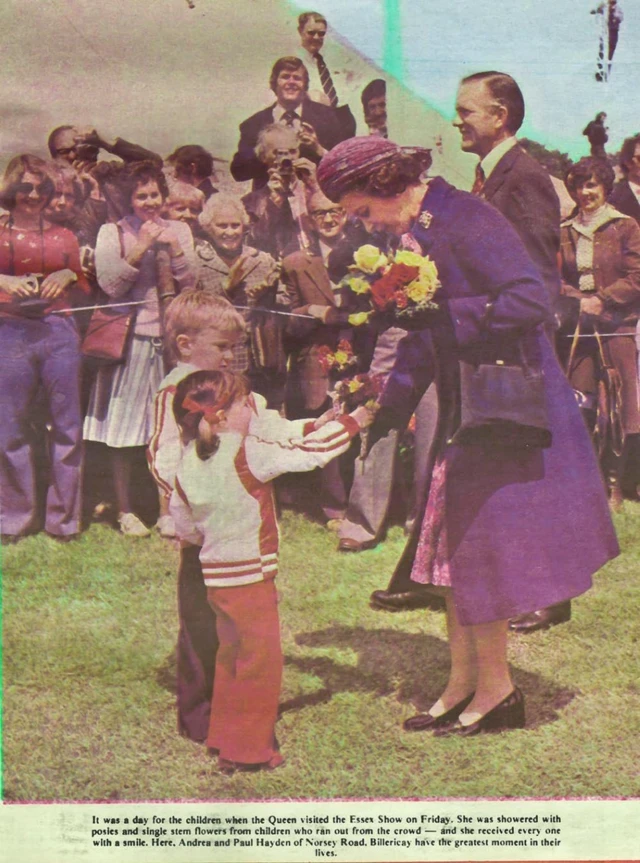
[{"x": 344, "y": 167}]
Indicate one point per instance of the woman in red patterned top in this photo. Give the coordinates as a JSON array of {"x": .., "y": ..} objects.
[{"x": 40, "y": 276}]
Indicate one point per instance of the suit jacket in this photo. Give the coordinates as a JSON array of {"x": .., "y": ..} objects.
[
  {"x": 523, "y": 192},
  {"x": 307, "y": 282},
  {"x": 245, "y": 164},
  {"x": 625, "y": 201},
  {"x": 273, "y": 229}
]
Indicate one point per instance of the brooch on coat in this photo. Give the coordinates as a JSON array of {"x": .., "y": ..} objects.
[{"x": 425, "y": 218}]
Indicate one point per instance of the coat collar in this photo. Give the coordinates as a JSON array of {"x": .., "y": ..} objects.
[
  {"x": 432, "y": 205},
  {"x": 607, "y": 215},
  {"x": 210, "y": 258}
]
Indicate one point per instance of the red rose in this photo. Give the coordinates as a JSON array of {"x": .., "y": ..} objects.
[{"x": 384, "y": 289}]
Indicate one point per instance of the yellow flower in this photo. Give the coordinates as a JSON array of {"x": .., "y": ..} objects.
[
  {"x": 429, "y": 272},
  {"x": 354, "y": 386},
  {"x": 358, "y": 286},
  {"x": 417, "y": 290},
  {"x": 341, "y": 358},
  {"x": 411, "y": 259},
  {"x": 369, "y": 259},
  {"x": 358, "y": 319},
  {"x": 422, "y": 288}
]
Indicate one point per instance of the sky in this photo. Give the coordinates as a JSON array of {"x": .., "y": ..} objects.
[
  {"x": 549, "y": 46},
  {"x": 162, "y": 74}
]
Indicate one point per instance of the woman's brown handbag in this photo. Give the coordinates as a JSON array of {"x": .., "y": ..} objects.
[
  {"x": 107, "y": 338},
  {"x": 503, "y": 405}
]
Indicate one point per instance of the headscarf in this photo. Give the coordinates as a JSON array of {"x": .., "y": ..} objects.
[{"x": 355, "y": 159}]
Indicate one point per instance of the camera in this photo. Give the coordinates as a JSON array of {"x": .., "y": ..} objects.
[{"x": 285, "y": 165}]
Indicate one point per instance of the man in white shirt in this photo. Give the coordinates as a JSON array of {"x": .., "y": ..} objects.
[
  {"x": 323, "y": 81},
  {"x": 316, "y": 125}
]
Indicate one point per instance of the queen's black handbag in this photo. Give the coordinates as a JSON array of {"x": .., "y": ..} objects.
[{"x": 503, "y": 405}]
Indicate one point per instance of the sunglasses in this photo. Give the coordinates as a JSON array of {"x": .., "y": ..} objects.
[{"x": 28, "y": 188}]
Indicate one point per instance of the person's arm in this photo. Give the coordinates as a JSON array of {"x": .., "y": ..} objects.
[
  {"x": 116, "y": 276},
  {"x": 513, "y": 297},
  {"x": 269, "y": 459},
  {"x": 180, "y": 510},
  {"x": 183, "y": 260},
  {"x": 71, "y": 278},
  {"x": 625, "y": 289},
  {"x": 165, "y": 446},
  {"x": 534, "y": 211},
  {"x": 245, "y": 165},
  {"x": 129, "y": 152}
]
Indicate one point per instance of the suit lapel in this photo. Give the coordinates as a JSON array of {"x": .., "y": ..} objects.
[
  {"x": 500, "y": 173},
  {"x": 316, "y": 272}
]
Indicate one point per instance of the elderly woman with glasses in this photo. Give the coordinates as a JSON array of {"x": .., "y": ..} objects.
[{"x": 40, "y": 279}]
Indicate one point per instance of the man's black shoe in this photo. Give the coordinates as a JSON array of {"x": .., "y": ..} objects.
[
  {"x": 542, "y": 619},
  {"x": 406, "y": 601}
]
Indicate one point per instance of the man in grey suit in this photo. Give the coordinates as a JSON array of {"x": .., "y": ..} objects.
[{"x": 490, "y": 111}]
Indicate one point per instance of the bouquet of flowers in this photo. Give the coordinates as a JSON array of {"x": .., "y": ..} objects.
[
  {"x": 337, "y": 361},
  {"x": 398, "y": 287}
]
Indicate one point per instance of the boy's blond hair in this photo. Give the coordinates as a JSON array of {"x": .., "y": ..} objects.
[
  {"x": 183, "y": 193},
  {"x": 193, "y": 311}
]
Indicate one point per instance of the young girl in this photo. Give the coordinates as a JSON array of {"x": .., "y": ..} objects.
[{"x": 223, "y": 501}]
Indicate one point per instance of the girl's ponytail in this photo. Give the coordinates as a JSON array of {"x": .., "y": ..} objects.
[
  {"x": 207, "y": 441},
  {"x": 200, "y": 403}
]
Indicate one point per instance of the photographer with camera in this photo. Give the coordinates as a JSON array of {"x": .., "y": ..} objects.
[
  {"x": 278, "y": 211},
  {"x": 39, "y": 274},
  {"x": 80, "y": 146},
  {"x": 317, "y": 125}
]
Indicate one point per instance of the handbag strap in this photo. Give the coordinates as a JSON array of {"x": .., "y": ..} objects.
[{"x": 574, "y": 346}]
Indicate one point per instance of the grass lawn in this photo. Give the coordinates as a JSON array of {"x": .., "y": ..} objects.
[{"x": 89, "y": 631}]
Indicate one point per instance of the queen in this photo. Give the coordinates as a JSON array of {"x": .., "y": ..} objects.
[{"x": 508, "y": 524}]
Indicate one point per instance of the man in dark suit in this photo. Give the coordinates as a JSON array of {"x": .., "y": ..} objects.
[
  {"x": 316, "y": 125},
  {"x": 490, "y": 110},
  {"x": 626, "y": 194}
]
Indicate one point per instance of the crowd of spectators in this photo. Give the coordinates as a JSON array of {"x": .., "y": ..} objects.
[{"x": 82, "y": 230}]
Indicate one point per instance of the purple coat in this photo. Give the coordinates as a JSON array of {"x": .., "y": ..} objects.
[{"x": 526, "y": 529}]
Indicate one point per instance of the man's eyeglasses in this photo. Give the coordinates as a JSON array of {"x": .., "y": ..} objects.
[
  {"x": 28, "y": 188},
  {"x": 335, "y": 213}
]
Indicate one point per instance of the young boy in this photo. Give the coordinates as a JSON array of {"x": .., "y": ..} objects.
[{"x": 201, "y": 333}]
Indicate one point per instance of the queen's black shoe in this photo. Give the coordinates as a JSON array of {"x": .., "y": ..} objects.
[
  {"x": 508, "y": 714},
  {"x": 427, "y": 722}
]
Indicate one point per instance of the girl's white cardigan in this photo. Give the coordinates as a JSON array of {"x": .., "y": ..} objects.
[{"x": 226, "y": 503}]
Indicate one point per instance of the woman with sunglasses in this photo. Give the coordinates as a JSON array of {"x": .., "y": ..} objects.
[{"x": 40, "y": 277}]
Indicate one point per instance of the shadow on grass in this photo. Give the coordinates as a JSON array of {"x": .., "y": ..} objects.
[{"x": 412, "y": 665}]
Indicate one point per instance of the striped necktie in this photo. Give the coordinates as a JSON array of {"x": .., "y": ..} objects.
[
  {"x": 289, "y": 117},
  {"x": 478, "y": 184},
  {"x": 325, "y": 80}
]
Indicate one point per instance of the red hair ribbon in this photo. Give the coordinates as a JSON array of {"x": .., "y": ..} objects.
[{"x": 213, "y": 414}]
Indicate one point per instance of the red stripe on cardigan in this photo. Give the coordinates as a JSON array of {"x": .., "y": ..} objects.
[
  {"x": 263, "y": 494},
  {"x": 152, "y": 449}
]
